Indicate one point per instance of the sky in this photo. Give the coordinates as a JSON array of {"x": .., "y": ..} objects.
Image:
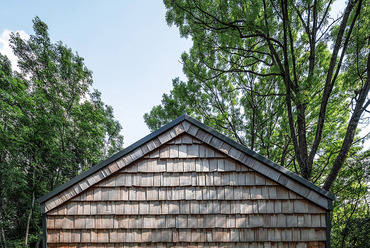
[{"x": 133, "y": 53}]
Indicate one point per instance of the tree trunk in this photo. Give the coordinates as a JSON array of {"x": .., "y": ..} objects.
[
  {"x": 361, "y": 106},
  {"x": 3, "y": 237},
  {"x": 29, "y": 220},
  {"x": 38, "y": 241}
]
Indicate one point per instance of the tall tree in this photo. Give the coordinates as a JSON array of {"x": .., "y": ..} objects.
[
  {"x": 52, "y": 128},
  {"x": 351, "y": 214},
  {"x": 280, "y": 75}
]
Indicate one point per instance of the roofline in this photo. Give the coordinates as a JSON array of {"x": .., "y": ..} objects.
[
  {"x": 111, "y": 159},
  {"x": 164, "y": 129},
  {"x": 261, "y": 158}
]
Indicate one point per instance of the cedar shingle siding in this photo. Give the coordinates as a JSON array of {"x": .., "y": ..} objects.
[{"x": 186, "y": 188}]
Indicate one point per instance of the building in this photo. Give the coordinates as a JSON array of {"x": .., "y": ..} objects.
[{"x": 186, "y": 185}]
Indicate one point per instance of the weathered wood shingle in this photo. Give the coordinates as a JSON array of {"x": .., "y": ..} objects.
[
  {"x": 225, "y": 198},
  {"x": 187, "y": 186}
]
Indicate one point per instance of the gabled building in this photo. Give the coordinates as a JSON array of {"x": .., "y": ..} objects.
[{"x": 186, "y": 185}]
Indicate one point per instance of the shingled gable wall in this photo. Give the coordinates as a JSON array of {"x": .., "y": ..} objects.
[{"x": 186, "y": 185}]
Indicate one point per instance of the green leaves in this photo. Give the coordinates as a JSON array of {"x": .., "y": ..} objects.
[
  {"x": 288, "y": 81},
  {"x": 350, "y": 218},
  {"x": 52, "y": 127},
  {"x": 283, "y": 78},
  {"x": 260, "y": 62}
]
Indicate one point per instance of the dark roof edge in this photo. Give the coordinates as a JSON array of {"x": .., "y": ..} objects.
[
  {"x": 111, "y": 159},
  {"x": 261, "y": 158},
  {"x": 164, "y": 129}
]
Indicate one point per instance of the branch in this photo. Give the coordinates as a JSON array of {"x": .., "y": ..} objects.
[
  {"x": 325, "y": 13},
  {"x": 228, "y": 25},
  {"x": 351, "y": 131},
  {"x": 329, "y": 83}
]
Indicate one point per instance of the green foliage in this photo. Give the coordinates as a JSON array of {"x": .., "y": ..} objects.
[
  {"x": 282, "y": 78},
  {"x": 51, "y": 129},
  {"x": 350, "y": 218},
  {"x": 356, "y": 234},
  {"x": 263, "y": 74}
]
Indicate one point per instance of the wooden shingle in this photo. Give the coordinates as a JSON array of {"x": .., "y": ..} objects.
[{"x": 187, "y": 186}]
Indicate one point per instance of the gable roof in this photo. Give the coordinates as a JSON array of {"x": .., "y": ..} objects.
[{"x": 209, "y": 136}]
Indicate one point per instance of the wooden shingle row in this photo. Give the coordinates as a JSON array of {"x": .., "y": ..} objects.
[
  {"x": 186, "y": 179},
  {"x": 187, "y": 193},
  {"x": 185, "y": 139},
  {"x": 186, "y": 235},
  {"x": 187, "y": 221},
  {"x": 185, "y": 151},
  {"x": 188, "y": 207},
  {"x": 314, "y": 244},
  {"x": 185, "y": 165}
]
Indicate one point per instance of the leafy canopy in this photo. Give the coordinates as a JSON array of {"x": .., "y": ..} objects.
[
  {"x": 283, "y": 78},
  {"x": 52, "y": 127}
]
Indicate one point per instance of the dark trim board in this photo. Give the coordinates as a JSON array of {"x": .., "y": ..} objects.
[
  {"x": 44, "y": 227},
  {"x": 328, "y": 228},
  {"x": 204, "y": 127}
]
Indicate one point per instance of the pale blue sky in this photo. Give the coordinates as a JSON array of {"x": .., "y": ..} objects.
[{"x": 132, "y": 52}]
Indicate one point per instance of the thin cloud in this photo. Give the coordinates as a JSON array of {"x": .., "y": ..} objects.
[{"x": 5, "y": 48}]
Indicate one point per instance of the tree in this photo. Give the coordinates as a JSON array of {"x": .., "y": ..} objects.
[
  {"x": 52, "y": 128},
  {"x": 350, "y": 218},
  {"x": 280, "y": 75}
]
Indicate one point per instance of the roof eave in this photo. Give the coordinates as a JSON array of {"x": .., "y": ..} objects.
[
  {"x": 168, "y": 126},
  {"x": 111, "y": 159}
]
